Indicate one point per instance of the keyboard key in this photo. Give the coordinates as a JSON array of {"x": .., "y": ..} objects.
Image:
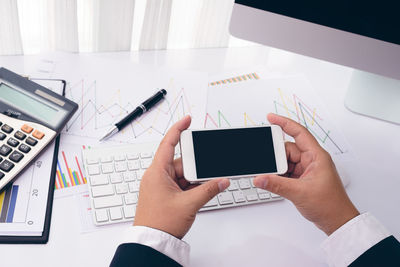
[
  {"x": 252, "y": 197},
  {"x": 133, "y": 165},
  {"x": 116, "y": 178},
  {"x": 134, "y": 186},
  {"x": 233, "y": 186},
  {"x": 99, "y": 180},
  {"x": 5, "y": 150},
  {"x": 244, "y": 183},
  {"x": 146, "y": 154},
  {"x": 265, "y": 195},
  {"x": 131, "y": 156},
  {"x": 225, "y": 198},
  {"x": 38, "y": 134},
  {"x": 16, "y": 156},
  {"x": 1, "y": 175},
  {"x": 120, "y": 166},
  {"x": 115, "y": 214},
  {"x": 145, "y": 163},
  {"x": 12, "y": 142},
  {"x": 105, "y": 202},
  {"x": 30, "y": 141},
  {"x": 119, "y": 158},
  {"x": 20, "y": 135},
  {"x": 93, "y": 170},
  {"x": 131, "y": 199},
  {"x": 6, "y": 165},
  {"x": 273, "y": 195},
  {"x": 239, "y": 196},
  {"x": 212, "y": 203},
  {"x": 107, "y": 168},
  {"x": 102, "y": 190},
  {"x": 91, "y": 161},
  {"x": 6, "y": 128},
  {"x": 121, "y": 188},
  {"x": 2, "y": 136},
  {"x": 129, "y": 211},
  {"x": 24, "y": 148},
  {"x": 129, "y": 176},
  {"x": 26, "y": 128},
  {"x": 106, "y": 159},
  {"x": 139, "y": 174},
  {"x": 101, "y": 215}
]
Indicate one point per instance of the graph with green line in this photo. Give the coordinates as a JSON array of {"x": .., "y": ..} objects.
[{"x": 247, "y": 104}]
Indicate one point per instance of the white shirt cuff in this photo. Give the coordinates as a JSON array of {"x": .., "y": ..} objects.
[
  {"x": 354, "y": 238},
  {"x": 163, "y": 242}
]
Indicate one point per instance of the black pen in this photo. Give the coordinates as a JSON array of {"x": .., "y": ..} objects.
[{"x": 145, "y": 106}]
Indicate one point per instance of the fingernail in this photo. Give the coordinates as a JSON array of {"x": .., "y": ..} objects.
[
  {"x": 223, "y": 184},
  {"x": 264, "y": 183},
  {"x": 261, "y": 182}
]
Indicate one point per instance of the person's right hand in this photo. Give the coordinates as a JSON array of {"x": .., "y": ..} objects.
[{"x": 316, "y": 190}]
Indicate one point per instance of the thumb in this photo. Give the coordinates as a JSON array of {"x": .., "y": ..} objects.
[
  {"x": 286, "y": 187},
  {"x": 203, "y": 193}
]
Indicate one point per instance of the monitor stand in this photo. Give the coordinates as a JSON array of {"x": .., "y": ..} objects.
[{"x": 374, "y": 96}]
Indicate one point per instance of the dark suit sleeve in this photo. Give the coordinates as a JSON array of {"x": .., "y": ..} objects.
[
  {"x": 132, "y": 254},
  {"x": 385, "y": 253}
]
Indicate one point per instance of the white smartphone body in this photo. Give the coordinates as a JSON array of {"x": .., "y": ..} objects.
[{"x": 232, "y": 152}]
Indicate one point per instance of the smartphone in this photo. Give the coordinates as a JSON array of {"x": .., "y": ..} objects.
[{"x": 232, "y": 152}]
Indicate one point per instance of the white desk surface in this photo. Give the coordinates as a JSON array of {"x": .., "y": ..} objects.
[{"x": 272, "y": 234}]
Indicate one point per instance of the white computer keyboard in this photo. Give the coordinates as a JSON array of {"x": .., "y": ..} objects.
[{"x": 114, "y": 175}]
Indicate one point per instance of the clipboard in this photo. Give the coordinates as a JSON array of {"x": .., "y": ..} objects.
[{"x": 44, "y": 238}]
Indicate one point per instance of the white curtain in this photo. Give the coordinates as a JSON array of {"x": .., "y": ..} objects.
[{"x": 34, "y": 26}]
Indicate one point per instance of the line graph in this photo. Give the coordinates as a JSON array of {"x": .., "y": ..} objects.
[
  {"x": 249, "y": 104},
  {"x": 97, "y": 114}
]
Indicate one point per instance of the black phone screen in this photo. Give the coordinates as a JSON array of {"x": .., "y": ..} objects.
[{"x": 231, "y": 152}]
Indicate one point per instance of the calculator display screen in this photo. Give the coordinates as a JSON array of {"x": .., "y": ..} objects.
[
  {"x": 232, "y": 152},
  {"x": 32, "y": 105}
]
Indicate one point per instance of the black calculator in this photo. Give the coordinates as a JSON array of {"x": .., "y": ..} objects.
[{"x": 31, "y": 116}]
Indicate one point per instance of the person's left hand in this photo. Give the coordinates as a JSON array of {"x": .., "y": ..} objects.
[{"x": 167, "y": 202}]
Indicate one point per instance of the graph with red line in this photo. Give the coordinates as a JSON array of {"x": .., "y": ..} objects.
[
  {"x": 69, "y": 171},
  {"x": 247, "y": 104},
  {"x": 98, "y": 113}
]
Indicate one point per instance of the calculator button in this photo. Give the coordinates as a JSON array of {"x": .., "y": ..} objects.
[
  {"x": 5, "y": 150},
  {"x": 20, "y": 135},
  {"x": 16, "y": 156},
  {"x": 26, "y": 128},
  {"x": 12, "y": 142},
  {"x": 24, "y": 148},
  {"x": 31, "y": 141},
  {"x": 1, "y": 175},
  {"x": 37, "y": 134},
  {"x": 6, "y": 165},
  {"x": 2, "y": 136},
  {"x": 6, "y": 128}
]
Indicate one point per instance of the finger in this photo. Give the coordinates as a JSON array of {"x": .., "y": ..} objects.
[
  {"x": 293, "y": 153},
  {"x": 183, "y": 184},
  {"x": 304, "y": 139},
  {"x": 203, "y": 193},
  {"x": 166, "y": 149},
  {"x": 178, "y": 167},
  {"x": 286, "y": 187}
]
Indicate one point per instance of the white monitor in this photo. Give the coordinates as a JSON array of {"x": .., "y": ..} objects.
[{"x": 360, "y": 34}]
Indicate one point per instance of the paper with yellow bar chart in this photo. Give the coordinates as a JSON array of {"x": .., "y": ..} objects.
[{"x": 246, "y": 99}]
